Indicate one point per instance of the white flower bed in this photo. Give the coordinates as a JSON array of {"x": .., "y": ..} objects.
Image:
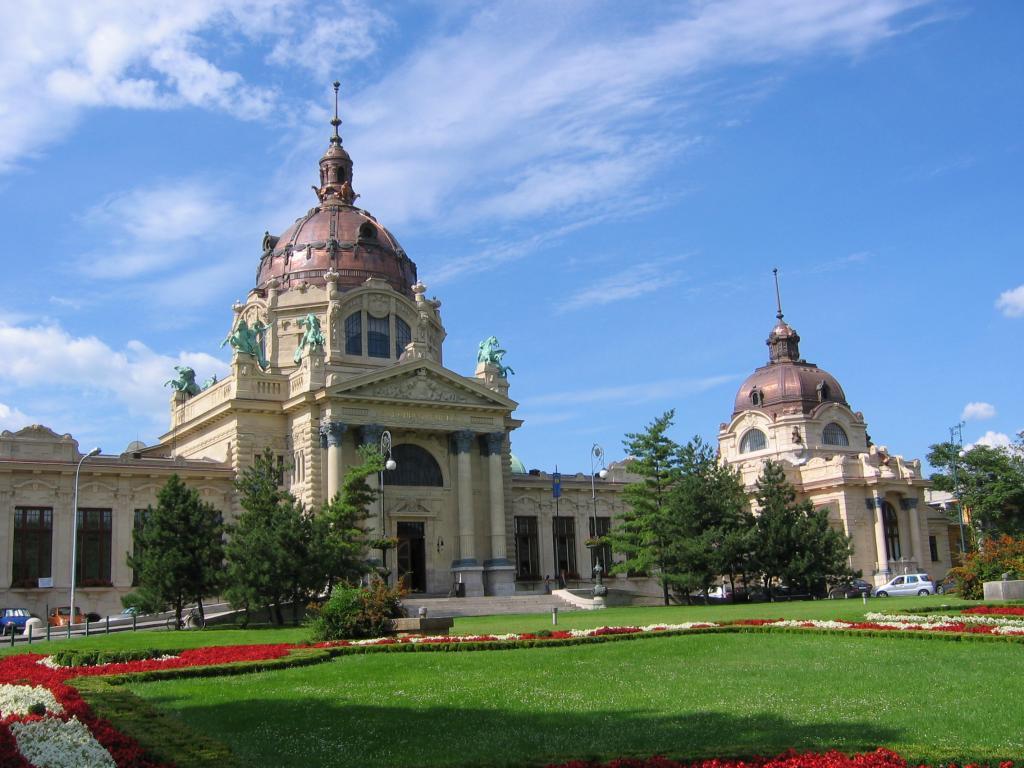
[
  {"x": 55, "y": 743},
  {"x": 16, "y": 700},
  {"x": 513, "y": 636},
  {"x": 966, "y": 618},
  {"x": 51, "y": 662}
]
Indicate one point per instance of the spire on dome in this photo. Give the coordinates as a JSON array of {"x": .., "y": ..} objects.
[
  {"x": 335, "y": 168},
  {"x": 783, "y": 342},
  {"x": 778, "y": 299}
]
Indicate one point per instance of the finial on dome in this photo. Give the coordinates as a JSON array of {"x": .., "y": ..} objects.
[
  {"x": 778, "y": 299},
  {"x": 336, "y": 139}
]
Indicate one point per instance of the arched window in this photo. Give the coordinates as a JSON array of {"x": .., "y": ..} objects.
[
  {"x": 833, "y": 434},
  {"x": 754, "y": 440},
  {"x": 415, "y": 467},
  {"x": 354, "y": 334},
  {"x": 367, "y": 231},
  {"x": 892, "y": 531},
  {"x": 378, "y": 336},
  {"x": 403, "y": 335}
]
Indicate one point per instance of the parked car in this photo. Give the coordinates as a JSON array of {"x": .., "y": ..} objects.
[
  {"x": 789, "y": 593},
  {"x": 853, "y": 588},
  {"x": 908, "y": 584},
  {"x": 58, "y": 617},
  {"x": 947, "y": 587},
  {"x": 13, "y": 620}
]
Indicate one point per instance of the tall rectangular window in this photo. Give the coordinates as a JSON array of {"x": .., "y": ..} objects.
[
  {"x": 354, "y": 334},
  {"x": 403, "y": 335},
  {"x": 527, "y": 549},
  {"x": 603, "y": 553},
  {"x": 92, "y": 568},
  {"x": 565, "y": 545},
  {"x": 33, "y": 539},
  {"x": 378, "y": 336},
  {"x": 933, "y": 545}
]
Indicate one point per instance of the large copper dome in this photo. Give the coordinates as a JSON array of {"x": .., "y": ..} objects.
[
  {"x": 335, "y": 236},
  {"x": 787, "y": 382}
]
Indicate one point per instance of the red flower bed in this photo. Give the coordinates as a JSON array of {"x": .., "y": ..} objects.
[
  {"x": 881, "y": 758},
  {"x": 1008, "y": 610}
]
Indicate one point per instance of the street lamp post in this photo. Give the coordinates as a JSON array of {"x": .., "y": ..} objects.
[
  {"x": 74, "y": 537},
  {"x": 956, "y": 438},
  {"x": 389, "y": 464},
  {"x": 596, "y": 459}
]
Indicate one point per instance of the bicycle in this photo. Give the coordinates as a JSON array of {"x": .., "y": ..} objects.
[{"x": 191, "y": 620}]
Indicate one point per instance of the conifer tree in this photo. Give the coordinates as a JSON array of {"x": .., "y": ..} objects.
[
  {"x": 641, "y": 531},
  {"x": 179, "y": 550},
  {"x": 343, "y": 517}
]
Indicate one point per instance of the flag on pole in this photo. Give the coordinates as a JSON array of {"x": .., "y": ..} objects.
[{"x": 556, "y": 485}]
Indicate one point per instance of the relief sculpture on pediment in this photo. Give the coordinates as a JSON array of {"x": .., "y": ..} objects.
[{"x": 419, "y": 388}]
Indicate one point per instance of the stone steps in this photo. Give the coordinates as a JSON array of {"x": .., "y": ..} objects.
[{"x": 485, "y": 606}]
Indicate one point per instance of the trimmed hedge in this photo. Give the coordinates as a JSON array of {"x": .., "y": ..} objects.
[
  {"x": 297, "y": 657},
  {"x": 81, "y": 658},
  {"x": 164, "y": 738}
]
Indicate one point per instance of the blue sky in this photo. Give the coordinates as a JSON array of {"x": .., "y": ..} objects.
[{"x": 604, "y": 186}]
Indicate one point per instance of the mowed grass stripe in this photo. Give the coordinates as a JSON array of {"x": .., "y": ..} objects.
[{"x": 689, "y": 697}]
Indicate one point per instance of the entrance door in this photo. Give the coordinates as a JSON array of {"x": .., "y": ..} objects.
[{"x": 412, "y": 556}]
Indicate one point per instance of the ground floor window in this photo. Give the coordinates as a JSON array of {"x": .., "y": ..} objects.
[
  {"x": 92, "y": 567},
  {"x": 33, "y": 539},
  {"x": 933, "y": 545},
  {"x": 565, "y": 546},
  {"x": 527, "y": 549},
  {"x": 600, "y": 527},
  {"x": 892, "y": 531}
]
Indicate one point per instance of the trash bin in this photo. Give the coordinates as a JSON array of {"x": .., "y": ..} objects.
[{"x": 460, "y": 589}]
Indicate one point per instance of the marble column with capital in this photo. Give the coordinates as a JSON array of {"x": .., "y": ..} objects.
[
  {"x": 496, "y": 486},
  {"x": 331, "y": 434},
  {"x": 910, "y": 504},
  {"x": 877, "y": 503},
  {"x": 462, "y": 443}
]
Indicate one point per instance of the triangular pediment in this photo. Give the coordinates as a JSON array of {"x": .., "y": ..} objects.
[{"x": 422, "y": 381}]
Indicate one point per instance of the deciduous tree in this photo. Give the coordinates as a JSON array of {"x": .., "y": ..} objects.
[{"x": 991, "y": 484}]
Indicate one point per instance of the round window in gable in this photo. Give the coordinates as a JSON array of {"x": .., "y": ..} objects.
[{"x": 754, "y": 440}]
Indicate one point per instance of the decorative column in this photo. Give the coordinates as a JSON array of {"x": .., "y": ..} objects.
[
  {"x": 462, "y": 442},
  {"x": 369, "y": 434},
  {"x": 877, "y": 504},
  {"x": 331, "y": 433},
  {"x": 910, "y": 504},
  {"x": 496, "y": 486}
]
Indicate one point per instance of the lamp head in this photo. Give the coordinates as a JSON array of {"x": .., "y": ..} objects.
[
  {"x": 93, "y": 452},
  {"x": 963, "y": 454},
  {"x": 603, "y": 474},
  {"x": 390, "y": 465}
]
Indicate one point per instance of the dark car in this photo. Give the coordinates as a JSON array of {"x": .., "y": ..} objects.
[
  {"x": 790, "y": 593},
  {"x": 854, "y": 588},
  {"x": 947, "y": 587},
  {"x": 13, "y": 620}
]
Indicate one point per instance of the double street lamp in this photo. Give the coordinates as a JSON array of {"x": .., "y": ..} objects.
[
  {"x": 956, "y": 439},
  {"x": 74, "y": 537},
  {"x": 390, "y": 465}
]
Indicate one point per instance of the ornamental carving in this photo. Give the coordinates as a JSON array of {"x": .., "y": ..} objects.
[
  {"x": 419, "y": 388},
  {"x": 379, "y": 306}
]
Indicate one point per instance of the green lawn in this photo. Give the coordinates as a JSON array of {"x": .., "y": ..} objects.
[{"x": 691, "y": 696}]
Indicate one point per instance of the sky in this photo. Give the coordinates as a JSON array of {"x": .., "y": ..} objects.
[{"x": 604, "y": 186}]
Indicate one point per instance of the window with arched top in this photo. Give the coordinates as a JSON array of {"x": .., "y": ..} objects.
[
  {"x": 354, "y": 334},
  {"x": 415, "y": 466},
  {"x": 892, "y": 531},
  {"x": 833, "y": 434},
  {"x": 754, "y": 440},
  {"x": 403, "y": 336},
  {"x": 378, "y": 336}
]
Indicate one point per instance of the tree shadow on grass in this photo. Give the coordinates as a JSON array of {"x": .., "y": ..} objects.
[{"x": 312, "y": 732}]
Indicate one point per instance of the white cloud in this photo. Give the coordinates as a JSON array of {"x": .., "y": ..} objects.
[
  {"x": 321, "y": 44},
  {"x": 550, "y": 100},
  {"x": 48, "y": 357},
  {"x": 60, "y": 58},
  {"x": 628, "y": 284},
  {"x": 978, "y": 411},
  {"x": 992, "y": 440},
  {"x": 12, "y": 418},
  {"x": 1012, "y": 302}
]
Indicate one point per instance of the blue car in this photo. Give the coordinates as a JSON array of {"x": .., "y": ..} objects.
[{"x": 13, "y": 620}]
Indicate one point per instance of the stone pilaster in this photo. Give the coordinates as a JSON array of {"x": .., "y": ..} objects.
[
  {"x": 910, "y": 504},
  {"x": 877, "y": 503},
  {"x": 331, "y": 434},
  {"x": 462, "y": 442}
]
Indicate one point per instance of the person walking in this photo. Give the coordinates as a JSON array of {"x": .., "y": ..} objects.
[{"x": 547, "y": 585}]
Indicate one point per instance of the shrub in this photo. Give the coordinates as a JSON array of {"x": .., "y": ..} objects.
[
  {"x": 993, "y": 558},
  {"x": 78, "y": 658},
  {"x": 354, "y": 612}
]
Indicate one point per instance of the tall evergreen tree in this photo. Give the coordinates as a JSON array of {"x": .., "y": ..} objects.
[
  {"x": 343, "y": 517},
  {"x": 273, "y": 550},
  {"x": 794, "y": 542},
  {"x": 179, "y": 550},
  {"x": 641, "y": 531},
  {"x": 706, "y": 529}
]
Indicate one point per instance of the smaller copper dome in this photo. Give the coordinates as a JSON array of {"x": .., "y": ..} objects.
[{"x": 789, "y": 385}]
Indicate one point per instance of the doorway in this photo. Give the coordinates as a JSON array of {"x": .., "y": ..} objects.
[{"x": 411, "y": 556}]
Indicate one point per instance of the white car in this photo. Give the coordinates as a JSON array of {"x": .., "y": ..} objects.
[{"x": 908, "y": 584}]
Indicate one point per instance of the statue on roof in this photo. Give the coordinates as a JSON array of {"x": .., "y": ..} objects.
[
  {"x": 247, "y": 340},
  {"x": 312, "y": 337},
  {"x": 186, "y": 381},
  {"x": 490, "y": 354}
]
